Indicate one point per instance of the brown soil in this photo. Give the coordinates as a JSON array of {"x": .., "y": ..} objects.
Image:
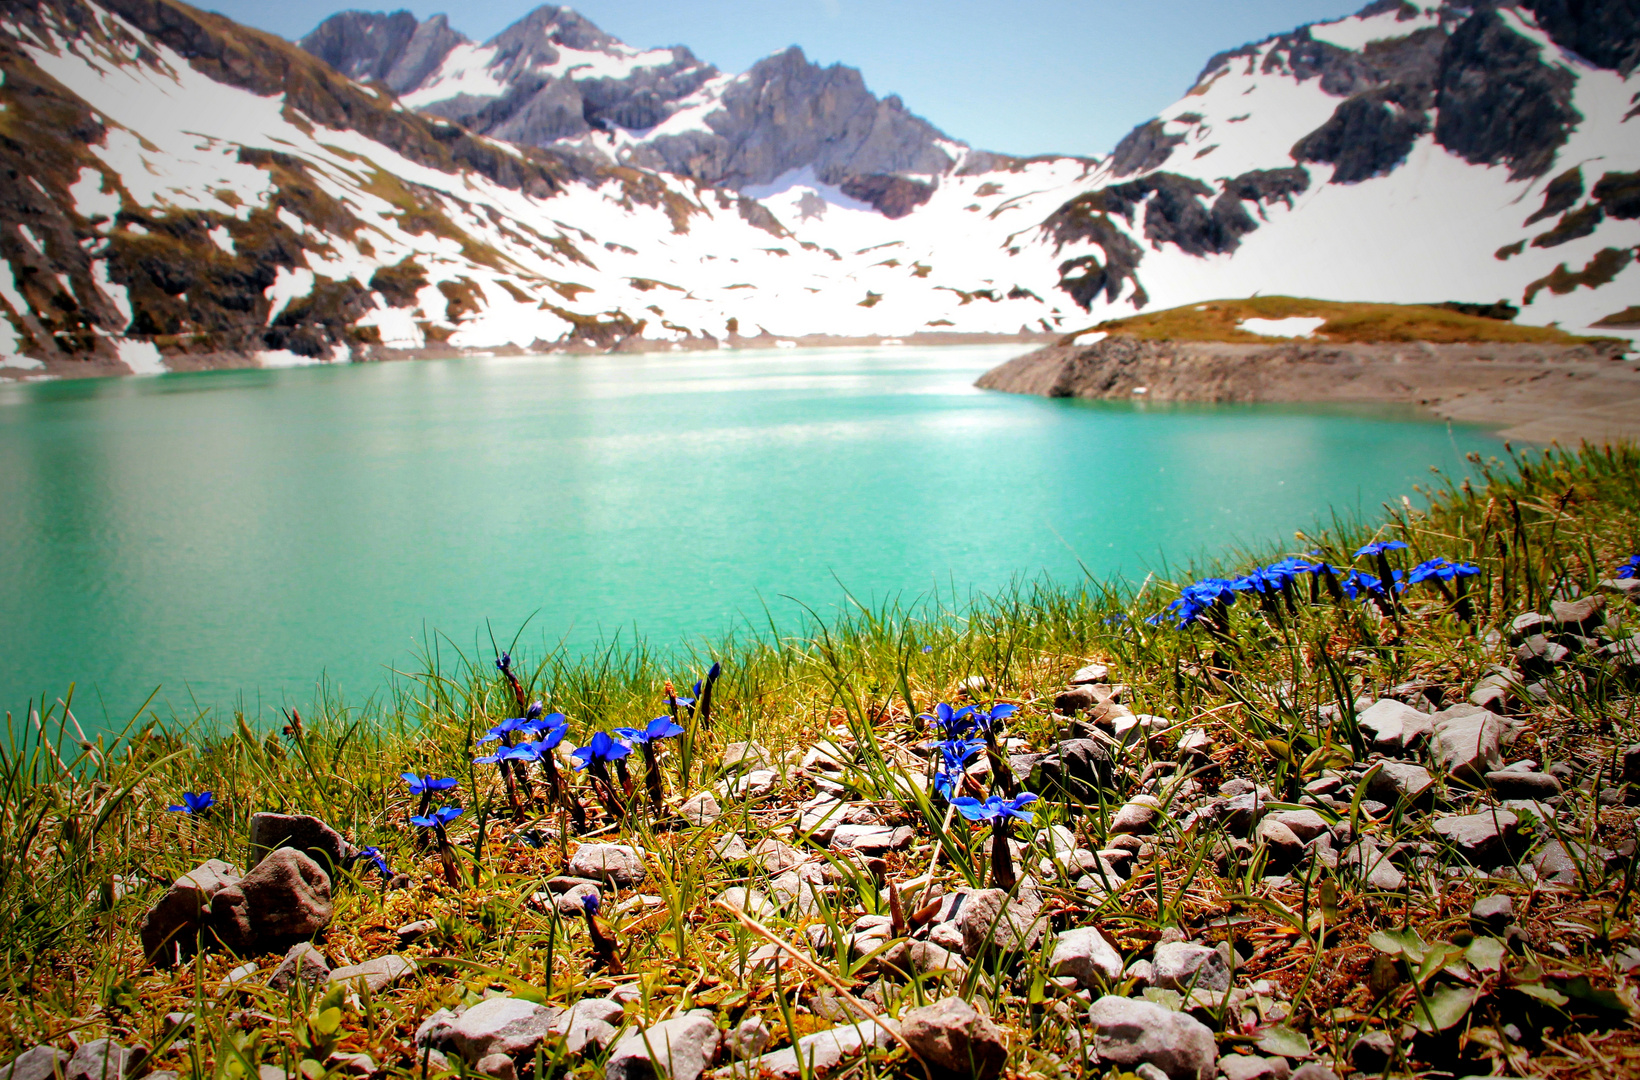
[{"x": 1538, "y": 393}]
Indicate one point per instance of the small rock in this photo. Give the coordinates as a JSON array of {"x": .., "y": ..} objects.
[
  {"x": 1084, "y": 954},
  {"x": 1396, "y": 780},
  {"x": 950, "y": 1035},
  {"x": 750, "y": 901},
  {"x": 1090, "y": 673},
  {"x": 871, "y": 839},
  {"x": 700, "y": 809},
  {"x": 922, "y": 958},
  {"x": 1129, "y": 1031},
  {"x": 819, "y": 1053},
  {"x": 777, "y": 856},
  {"x": 235, "y": 979},
  {"x": 36, "y": 1063},
  {"x": 1585, "y": 613},
  {"x": 1305, "y": 824},
  {"x": 309, "y": 835},
  {"x": 170, "y": 929},
  {"x": 1374, "y": 866},
  {"x": 1184, "y": 967},
  {"x": 746, "y": 755},
  {"x": 1076, "y": 699},
  {"x": 1467, "y": 741},
  {"x": 102, "y": 1059},
  {"x": 619, "y": 864},
  {"x": 1243, "y": 810},
  {"x": 1137, "y": 816},
  {"x": 1496, "y": 912},
  {"x": 572, "y": 902},
  {"x": 589, "y": 1026},
  {"x": 284, "y": 899},
  {"x": 1253, "y": 1067},
  {"x": 500, "y": 1025},
  {"x": 377, "y": 974},
  {"x": 679, "y": 1049},
  {"x": 1510, "y": 784},
  {"x": 496, "y": 1066},
  {"x": 1537, "y": 655},
  {"x": 1371, "y": 1053},
  {"x": 1390, "y": 722},
  {"x": 1481, "y": 838},
  {"x": 341, "y": 1063},
  {"x": 990, "y": 920},
  {"x": 730, "y": 848},
  {"x": 302, "y": 964},
  {"x": 1284, "y": 845},
  {"x": 748, "y": 1038},
  {"x": 753, "y": 785},
  {"x": 415, "y": 931},
  {"x": 1075, "y": 768},
  {"x": 1313, "y": 1071}
]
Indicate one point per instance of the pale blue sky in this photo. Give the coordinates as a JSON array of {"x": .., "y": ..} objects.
[{"x": 1023, "y": 77}]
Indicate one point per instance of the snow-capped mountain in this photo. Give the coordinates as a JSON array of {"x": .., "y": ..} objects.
[
  {"x": 554, "y": 79},
  {"x": 186, "y": 192}
]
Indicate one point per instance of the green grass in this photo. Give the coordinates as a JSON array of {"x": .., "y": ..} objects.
[
  {"x": 1218, "y": 320},
  {"x": 86, "y": 844}
]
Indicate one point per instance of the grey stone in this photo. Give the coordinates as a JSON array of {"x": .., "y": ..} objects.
[
  {"x": 572, "y": 902},
  {"x": 1076, "y": 699},
  {"x": 342, "y": 1063},
  {"x": 377, "y": 974},
  {"x": 619, "y": 864},
  {"x": 285, "y": 898},
  {"x": 102, "y": 1059},
  {"x": 1396, "y": 780},
  {"x": 1305, "y": 824},
  {"x": 1495, "y": 911},
  {"x": 1482, "y": 838},
  {"x": 1090, "y": 673},
  {"x": 497, "y": 1066},
  {"x": 1557, "y": 863},
  {"x": 170, "y": 929},
  {"x": 922, "y": 958},
  {"x": 36, "y": 1063},
  {"x": 1374, "y": 866},
  {"x": 1510, "y": 784},
  {"x": 302, "y": 964},
  {"x": 1242, "y": 811},
  {"x": 306, "y": 834},
  {"x": 1313, "y": 1071},
  {"x": 415, "y": 931},
  {"x": 680, "y": 1048},
  {"x": 989, "y": 920},
  {"x": 1537, "y": 654},
  {"x": 1137, "y": 817},
  {"x": 747, "y": 1038},
  {"x": 777, "y": 856},
  {"x": 730, "y": 848},
  {"x": 1182, "y": 966},
  {"x": 700, "y": 809},
  {"x": 590, "y": 1026},
  {"x": 750, "y": 901},
  {"x": 1467, "y": 741},
  {"x": 1584, "y": 613},
  {"x": 1253, "y": 1067},
  {"x": 746, "y": 755},
  {"x": 753, "y": 785},
  {"x": 1284, "y": 845},
  {"x": 500, "y": 1025},
  {"x": 1129, "y": 1031},
  {"x": 820, "y": 1053},
  {"x": 953, "y": 1037},
  {"x": 1372, "y": 1052},
  {"x": 1389, "y": 722},
  {"x": 871, "y": 839},
  {"x": 236, "y": 979},
  {"x": 1085, "y": 955}
]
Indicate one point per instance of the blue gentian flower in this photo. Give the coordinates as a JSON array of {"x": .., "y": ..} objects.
[
  {"x": 1358, "y": 582},
  {"x": 988, "y": 720},
  {"x": 995, "y": 808},
  {"x": 590, "y": 902},
  {"x": 956, "y": 752},
  {"x": 602, "y": 747},
  {"x": 661, "y": 727},
  {"x": 438, "y": 818},
  {"x": 375, "y": 856},
  {"x": 507, "y": 727},
  {"x": 421, "y": 784},
  {"x": 194, "y": 803},
  {"x": 953, "y": 722},
  {"x": 534, "y": 711},
  {"x": 1629, "y": 569},
  {"x": 928, "y": 649},
  {"x": 1378, "y": 547},
  {"x": 504, "y": 665}
]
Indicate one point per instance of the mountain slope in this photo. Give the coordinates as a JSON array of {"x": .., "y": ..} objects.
[{"x": 185, "y": 192}]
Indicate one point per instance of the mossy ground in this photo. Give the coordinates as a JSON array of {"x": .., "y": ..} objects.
[{"x": 86, "y": 844}]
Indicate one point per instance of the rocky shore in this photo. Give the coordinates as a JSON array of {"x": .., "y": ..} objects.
[{"x": 1527, "y": 392}]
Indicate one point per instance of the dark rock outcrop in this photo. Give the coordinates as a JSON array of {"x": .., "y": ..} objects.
[
  {"x": 1559, "y": 195},
  {"x": 1146, "y": 147},
  {"x": 893, "y": 196},
  {"x": 1497, "y": 102},
  {"x": 1369, "y": 135},
  {"x": 1604, "y": 32}
]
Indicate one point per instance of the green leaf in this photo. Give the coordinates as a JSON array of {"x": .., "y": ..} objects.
[
  {"x": 312, "y": 1069},
  {"x": 328, "y": 1021},
  {"x": 1485, "y": 954},
  {"x": 1442, "y": 1008},
  {"x": 1405, "y": 943},
  {"x": 1167, "y": 999},
  {"x": 1329, "y": 900},
  {"x": 1279, "y": 749},
  {"x": 1439, "y": 956},
  {"x": 1579, "y": 989},
  {"x": 1283, "y": 1041},
  {"x": 1547, "y": 994}
]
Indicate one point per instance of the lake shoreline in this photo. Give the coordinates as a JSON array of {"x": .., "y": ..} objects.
[{"x": 1532, "y": 393}]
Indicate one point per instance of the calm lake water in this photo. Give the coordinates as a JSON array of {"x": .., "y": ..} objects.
[{"x": 252, "y": 532}]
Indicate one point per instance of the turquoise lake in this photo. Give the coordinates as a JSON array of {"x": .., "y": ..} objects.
[{"x": 249, "y": 533}]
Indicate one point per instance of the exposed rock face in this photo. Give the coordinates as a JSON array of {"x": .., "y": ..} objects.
[
  {"x": 680, "y": 1048},
  {"x": 284, "y": 899},
  {"x": 300, "y": 832},
  {"x": 1498, "y": 102},
  {"x": 170, "y": 929},
  {"x": 1606, "y": 32}
]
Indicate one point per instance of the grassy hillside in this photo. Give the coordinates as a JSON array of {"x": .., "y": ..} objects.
[
  {"x": 1333, "y": 958},
  {"x": 1219, "y": 320}
]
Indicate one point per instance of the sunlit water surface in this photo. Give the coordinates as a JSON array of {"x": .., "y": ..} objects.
[{"x": 249, "y": 533}]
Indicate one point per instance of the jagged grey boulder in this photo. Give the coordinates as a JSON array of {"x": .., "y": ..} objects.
[
  {"x": 309, "y": 835},
  {"x": 1130, "y": 1032},
  {"x": 170, "y": 929},
  {"x": 1182, "y": 966},
  {"x": 1482, "y": 838},
  {"x": 619, "y": 864},
  {"x": 953, "y": 1037},
  {"x": 1085, "y": 955},
  {"x": 303, "y": 964},
  {"x": 37, "y": 1063},
  {"x": 284, "y": 899},
  {"x": 989, "y": 920},
  {"x": 1468, "y": 741},
  {"x": 680, "y": 1048}
]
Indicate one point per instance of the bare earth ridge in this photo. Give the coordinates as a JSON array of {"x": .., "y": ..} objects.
[{"x": 1527, "y": 392}]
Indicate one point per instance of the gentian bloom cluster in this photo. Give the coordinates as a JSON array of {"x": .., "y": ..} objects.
[
  {"x": 1001, "y": 813},
  {"x": 1630, "y": 569},
  {"x": 644, "y": 739},
  {"x": 1439, "y": 569}
]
